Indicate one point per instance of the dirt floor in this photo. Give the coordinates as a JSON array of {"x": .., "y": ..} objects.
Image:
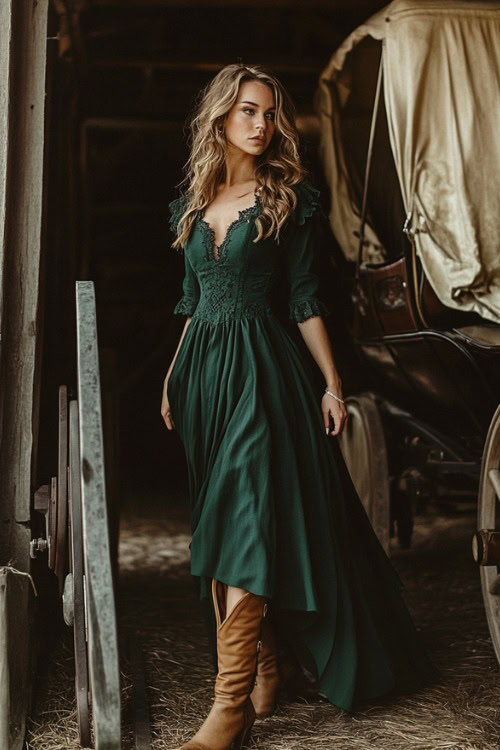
[{"x": 158, "y": 605}]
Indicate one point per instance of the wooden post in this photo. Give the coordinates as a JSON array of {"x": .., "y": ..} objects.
[
  {"x": 15, "y": 673},
  {"x": 23, "y": 30}
]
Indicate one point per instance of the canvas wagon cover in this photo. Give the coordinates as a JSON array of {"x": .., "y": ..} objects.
[{"x": 441, "y": 74}]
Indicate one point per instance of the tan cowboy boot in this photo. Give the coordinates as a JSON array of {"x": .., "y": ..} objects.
[
  {"x": 263, "y": 695},
  {"x": 232, "y": 715}
]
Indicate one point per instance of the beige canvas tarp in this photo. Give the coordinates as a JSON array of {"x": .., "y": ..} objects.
[{"x": 441, "y": 73}]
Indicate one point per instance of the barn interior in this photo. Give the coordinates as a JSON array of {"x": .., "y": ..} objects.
[
  {"x": 122, "y": 78},
  {"x": 119, "y": 97}
]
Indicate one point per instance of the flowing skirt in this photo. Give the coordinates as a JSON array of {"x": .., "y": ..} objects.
[{"x": 274, "y": 510}]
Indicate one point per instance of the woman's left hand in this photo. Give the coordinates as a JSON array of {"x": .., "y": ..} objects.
[{"x": 333, "y": 411}]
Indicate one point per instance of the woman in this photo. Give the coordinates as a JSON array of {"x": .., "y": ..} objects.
[{"x": 277, "y": 525}]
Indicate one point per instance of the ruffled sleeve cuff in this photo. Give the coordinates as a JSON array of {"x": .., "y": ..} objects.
[
  {"x": 307, "y": 308},
  {"x": 308, "y": 201},
  {"x": 185, "y": 306}
]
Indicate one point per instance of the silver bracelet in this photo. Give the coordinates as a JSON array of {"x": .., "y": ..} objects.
[{"x": 334, "y": 396}]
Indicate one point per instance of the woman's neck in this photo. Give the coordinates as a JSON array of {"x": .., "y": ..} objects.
[{"x": 239, "y": 170}]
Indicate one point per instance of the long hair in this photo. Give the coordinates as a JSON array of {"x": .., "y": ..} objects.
[{"x": 277, "y": 168}]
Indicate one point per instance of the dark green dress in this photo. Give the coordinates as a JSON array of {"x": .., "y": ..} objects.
[{"x": 273, "y": 508}]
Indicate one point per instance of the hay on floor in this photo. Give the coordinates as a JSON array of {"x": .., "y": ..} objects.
[{"x": 157, "y": 600}]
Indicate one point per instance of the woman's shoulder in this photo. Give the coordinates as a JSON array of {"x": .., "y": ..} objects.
[{"x": 308, "y": 201}]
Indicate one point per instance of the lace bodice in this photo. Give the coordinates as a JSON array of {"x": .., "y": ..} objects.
[
  {"x": 209, "y": 235},
  {"x": 235, "y": 279}
]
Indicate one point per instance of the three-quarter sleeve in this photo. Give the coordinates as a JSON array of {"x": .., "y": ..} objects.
[
  {"x": 302, "y": 256},
  {"x": 191, "y": 291},
  {"x": 190, "y": 285}
]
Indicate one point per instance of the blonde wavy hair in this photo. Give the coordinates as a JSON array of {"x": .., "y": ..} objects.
[{"x": 278, "y": 168}]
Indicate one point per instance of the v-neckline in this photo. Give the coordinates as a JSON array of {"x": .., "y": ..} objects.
[{"x": 214, "y": 250}]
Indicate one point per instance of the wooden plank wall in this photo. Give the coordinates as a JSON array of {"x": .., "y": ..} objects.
[{"x": 23, "y": 29}]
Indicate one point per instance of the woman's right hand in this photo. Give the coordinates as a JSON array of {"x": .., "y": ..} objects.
[{"x": 165, "y": 407}]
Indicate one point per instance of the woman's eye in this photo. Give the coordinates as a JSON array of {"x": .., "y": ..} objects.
[{"x": 270, "y": 115}]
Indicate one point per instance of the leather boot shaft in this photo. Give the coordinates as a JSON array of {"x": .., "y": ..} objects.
[
  {"x": 267, "y": 682},
  {"x": 232, "y": 714}
]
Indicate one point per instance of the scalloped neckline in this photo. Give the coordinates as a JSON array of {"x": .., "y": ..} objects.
[{"x": 213, "y": 249}]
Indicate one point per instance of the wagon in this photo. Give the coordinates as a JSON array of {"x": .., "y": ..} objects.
[{"x": 409, "y": 108}]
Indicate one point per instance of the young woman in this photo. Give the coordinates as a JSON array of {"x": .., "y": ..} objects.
[{"x": 278, "y": 528}]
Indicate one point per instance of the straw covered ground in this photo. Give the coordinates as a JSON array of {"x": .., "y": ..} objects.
[{"x": 157, "y": 603}]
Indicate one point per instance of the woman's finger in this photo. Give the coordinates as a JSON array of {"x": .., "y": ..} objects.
[
  {"x": 333, "y": 412},
  {"x": 336, "y": 423},
  {"x": 326, "y": 418},
  {"x": 338, "y": 416},
  {"x": 167, "y": 417}
]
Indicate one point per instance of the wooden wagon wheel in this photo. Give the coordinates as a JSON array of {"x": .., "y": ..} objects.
[
  {"x": 52, "y": 502},
  {"x": 87, "y": 590},
  {"x": 363, "y": 446},
  {"x": 486, "y": 542},
  {"x": 74, "y": 591},
  {"x": 99, "y": 592}
]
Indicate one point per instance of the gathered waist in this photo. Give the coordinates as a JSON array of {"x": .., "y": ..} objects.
[{"x": 247, "y": 311}]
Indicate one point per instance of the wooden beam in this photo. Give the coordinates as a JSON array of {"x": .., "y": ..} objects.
[
  {"x": 130, "y": 123},
  {"x": 25, "y": 26},
  {"x": 304, "y": 66},
  {"x": 366, "y": 6},
  {"x": 23, "y": 30},
  {"x": 5, "y": 33},
  {"x": 16, "y": 673}
]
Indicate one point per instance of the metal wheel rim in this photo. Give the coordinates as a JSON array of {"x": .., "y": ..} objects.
[
  {"x": 488, "y": 518},
  {"x": 77, "y": 567},
  {"x": 364, "y": 430}
]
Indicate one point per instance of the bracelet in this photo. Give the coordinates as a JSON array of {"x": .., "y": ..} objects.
[{"x": 334, "y": 396}]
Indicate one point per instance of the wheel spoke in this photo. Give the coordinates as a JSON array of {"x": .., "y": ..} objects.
[
  {"x": 494, "y": 477},
  {"x": 487, "y": 520},
  {"x": 61, "y": 553}
]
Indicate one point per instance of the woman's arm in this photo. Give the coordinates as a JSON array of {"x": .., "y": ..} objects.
[
  {"x": 186, "y": 325},
  {"x": 165, "y": 406},
  {"x": 302, "y": 255},
  {"x": 318, "y": 342}
]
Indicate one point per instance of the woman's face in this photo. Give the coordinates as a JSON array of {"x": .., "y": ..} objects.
[{"x": 251, "y": 115}]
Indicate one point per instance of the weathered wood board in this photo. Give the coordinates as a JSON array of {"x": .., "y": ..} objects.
[
  {"x": 23, "y": 31},
  {"x": 103, "y": 643}
]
